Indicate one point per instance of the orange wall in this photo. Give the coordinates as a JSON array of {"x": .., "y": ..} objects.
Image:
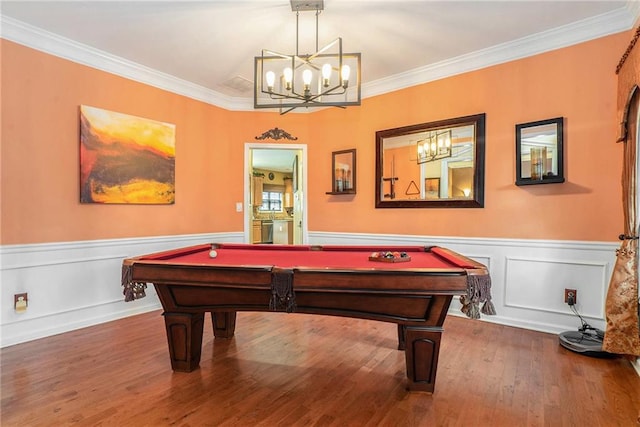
[
  {"x": 577, "y": 82},
  {"x": 41, "y": 95},
  {"x": 40, "y": 173}
]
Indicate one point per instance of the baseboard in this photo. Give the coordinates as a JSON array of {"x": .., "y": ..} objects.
[{"x": 57, "y": 323}]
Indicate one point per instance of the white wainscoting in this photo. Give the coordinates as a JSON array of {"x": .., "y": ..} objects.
[
  {"x": 528, "y": 276},
  {"x": 77, "y": 284}
]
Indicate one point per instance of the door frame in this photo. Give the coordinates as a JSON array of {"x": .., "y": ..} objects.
[{"x": 302, "y": 185}]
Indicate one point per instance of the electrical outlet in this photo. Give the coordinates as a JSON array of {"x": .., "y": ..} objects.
[
  {"x": 570, "y": 296},
  {"x": 20, "y": 302}
]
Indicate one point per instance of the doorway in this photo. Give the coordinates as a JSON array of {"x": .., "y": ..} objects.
[{"x": 277, "y": 172}]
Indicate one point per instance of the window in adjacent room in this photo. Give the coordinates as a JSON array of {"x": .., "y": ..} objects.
[{"x": 271, "y": 201}]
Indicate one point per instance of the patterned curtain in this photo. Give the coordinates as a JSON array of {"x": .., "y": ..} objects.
[{"x": 623, "y": 318}]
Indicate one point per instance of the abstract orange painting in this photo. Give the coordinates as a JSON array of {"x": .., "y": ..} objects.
[{"x": 125, "y": 159}]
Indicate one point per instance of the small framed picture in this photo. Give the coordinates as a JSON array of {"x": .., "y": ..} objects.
[
  {"x": 432, "y": 188},
  {"x": 539, "y": 152},
  {"x": 344, "y": 172}
]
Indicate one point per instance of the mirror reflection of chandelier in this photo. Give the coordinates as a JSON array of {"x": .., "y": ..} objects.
[
  {"x": 326, "y": 78},
  {"x": 435, "y": 146}
]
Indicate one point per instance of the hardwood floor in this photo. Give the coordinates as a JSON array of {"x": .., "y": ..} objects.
[{"x": 303, "y": 370}]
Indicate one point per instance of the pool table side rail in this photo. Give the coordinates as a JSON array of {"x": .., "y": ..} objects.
[
  {"x": 173, "y": 252},
  {"x": 473, "y": 285},
  {"x": 441, "y": 280}
]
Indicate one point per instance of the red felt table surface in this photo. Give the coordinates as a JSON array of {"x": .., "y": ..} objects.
[{"x": 331, "y": 257}]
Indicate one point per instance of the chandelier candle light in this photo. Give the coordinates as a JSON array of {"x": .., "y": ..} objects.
[
  {"x": 326, "y": 78},
  {"x": 436, "y": 146}
]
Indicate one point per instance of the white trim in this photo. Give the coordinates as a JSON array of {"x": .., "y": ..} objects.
[
  {"x": 58, "y": 304},
  {"x": 60, "y": 262},
  {"x": 86, "y": 307},
  {"x": 373, "y": 239},
  {"x": 83, "y": 245},
  {"x": 616, "y": 21},
  {"x": 248, "y": 146},
  {"x": 54, "y": 44},
  {"x": 604, "y": 268},
  {"x": 633, "y": 8},
  {"x": 550, "y": 319},
  {"x": 71, "y": 320},
  {"x": 588, "y": 29},
  {"x": 72, "y": 285}
]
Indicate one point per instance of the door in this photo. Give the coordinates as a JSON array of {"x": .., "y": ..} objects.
[
  {"x": 298, "y": 205},
  {"x": 287, "y": 159}
]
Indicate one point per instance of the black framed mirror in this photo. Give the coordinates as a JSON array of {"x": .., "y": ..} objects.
[
  {"x": 432, "y": 165},
  {"x": 539, "y": 152}
]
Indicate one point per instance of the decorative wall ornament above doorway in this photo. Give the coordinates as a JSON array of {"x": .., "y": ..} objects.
[{"x": 276, "y": 134}]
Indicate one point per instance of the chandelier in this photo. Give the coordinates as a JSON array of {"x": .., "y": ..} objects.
[
  {"x": 436, "y": 146},
  {"x": 327, "y": 78}
]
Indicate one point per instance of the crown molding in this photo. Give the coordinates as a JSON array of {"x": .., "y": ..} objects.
[
  {"x": 588, "y": 29},
  {"x": 595, "y": 27},
  {"x": 633, "y": 7},
  {"x": 54, "y": 44}
]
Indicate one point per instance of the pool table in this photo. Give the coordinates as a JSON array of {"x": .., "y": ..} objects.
[{"x": 413, "y": 288}]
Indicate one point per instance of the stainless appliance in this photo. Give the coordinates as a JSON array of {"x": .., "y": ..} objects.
[{"x": 267, "y": 231}]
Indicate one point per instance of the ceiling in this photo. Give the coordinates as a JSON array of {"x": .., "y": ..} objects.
[{"x": 210, "y": 45}]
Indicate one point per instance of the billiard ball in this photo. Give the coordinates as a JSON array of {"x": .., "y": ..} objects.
[{"x": 213, "y": 254}]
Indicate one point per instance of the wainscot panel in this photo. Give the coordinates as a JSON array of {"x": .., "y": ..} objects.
[
  {"x": 74, "y": 285},
  {"x": 77, "y": 284},
  {"x": 528, "y": 276}
]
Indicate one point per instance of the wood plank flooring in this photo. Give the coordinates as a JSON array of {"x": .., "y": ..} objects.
[{"x": 303, "y": 370}]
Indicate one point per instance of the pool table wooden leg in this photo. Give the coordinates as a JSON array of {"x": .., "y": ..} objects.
[
  {"x": 421, "y": 354},
  {"x": 184, "y": 334},
  {"x": 224, "y": 323},
  {"x": 401, "y": 337}
]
